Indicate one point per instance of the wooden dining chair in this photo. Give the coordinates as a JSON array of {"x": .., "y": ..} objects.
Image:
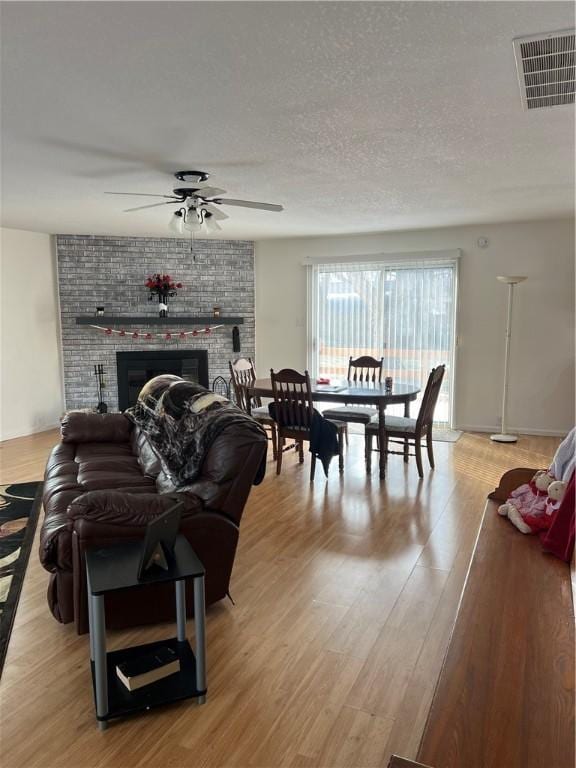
[
  {"x": 242, "y": 374},
  {"x": 362, "y": 370},
  {"x": 402, "y": 430},
  {"x": 294, "y": 411}
]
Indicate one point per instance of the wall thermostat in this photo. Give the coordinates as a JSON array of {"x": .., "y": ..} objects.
[{"x": 482, "y": 242}]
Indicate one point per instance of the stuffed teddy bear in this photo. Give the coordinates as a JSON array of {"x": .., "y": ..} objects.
[
  {"x": 541, "y": 522},
  {"x": 526, "y": 507},
  {"x": 556, "y": 491},
  {"x": 532, "y": 506}
]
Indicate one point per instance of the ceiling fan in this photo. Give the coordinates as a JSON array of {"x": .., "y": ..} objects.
[{"x": 199, "y": 205}]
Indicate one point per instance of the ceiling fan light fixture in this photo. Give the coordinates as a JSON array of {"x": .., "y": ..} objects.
[
  {"x": 199, "y": 205},
  {"x": 191, "y": 220},
  {"x": 177, "y": 222},
  {"x": 211, "y": 223}
]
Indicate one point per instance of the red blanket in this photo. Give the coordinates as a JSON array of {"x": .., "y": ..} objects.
[{"x": 559, "y": 538}]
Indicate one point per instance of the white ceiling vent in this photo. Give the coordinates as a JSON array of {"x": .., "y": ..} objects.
[{"x": 546, "y": 69}]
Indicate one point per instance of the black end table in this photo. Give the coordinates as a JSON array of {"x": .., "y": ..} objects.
[{"x": 109, "y": 569}]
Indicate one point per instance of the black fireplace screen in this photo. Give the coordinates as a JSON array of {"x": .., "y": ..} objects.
[{"x": 136, "y": 368}]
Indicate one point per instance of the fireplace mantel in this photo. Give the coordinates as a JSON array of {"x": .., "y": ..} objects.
[{"x": 110, "y": 320}]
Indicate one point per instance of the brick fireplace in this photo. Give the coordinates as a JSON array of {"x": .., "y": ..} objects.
[{"x": 110, "y": 272}]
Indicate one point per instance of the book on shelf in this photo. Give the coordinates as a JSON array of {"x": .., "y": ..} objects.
[{"x": 148, "y": 668}]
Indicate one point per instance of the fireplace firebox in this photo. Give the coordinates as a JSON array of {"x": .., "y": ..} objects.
[{"x": 134, "y": 369}]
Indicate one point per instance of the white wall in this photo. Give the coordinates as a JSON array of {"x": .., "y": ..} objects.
[
  {"x": 30, "y": 379},
  {"x": 542, "y": 356}
]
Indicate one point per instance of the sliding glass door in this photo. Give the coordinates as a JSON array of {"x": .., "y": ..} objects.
[{"x": 404, "y": 312}]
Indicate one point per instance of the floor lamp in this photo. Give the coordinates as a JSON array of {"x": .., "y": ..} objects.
[{"x": 511, "y": 281}]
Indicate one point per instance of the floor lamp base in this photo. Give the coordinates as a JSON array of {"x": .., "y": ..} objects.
[{"x": 504, "y": 438}]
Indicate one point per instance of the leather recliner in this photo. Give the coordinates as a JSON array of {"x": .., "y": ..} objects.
[{"x": 96, "y": 494}]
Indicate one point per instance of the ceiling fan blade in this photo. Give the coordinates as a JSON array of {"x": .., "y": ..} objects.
[
  {"x": 142, "y": 194},
  {"x": 216, "y": 212},
  {"x": 212, "y": 226},
  {"x": 250, "y": 204},
  {"x": 153, "y": 205},
  {"x": 209, "y": 192}
]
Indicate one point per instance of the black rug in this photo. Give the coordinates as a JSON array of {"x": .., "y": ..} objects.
[{"x": 19, "y": 508}]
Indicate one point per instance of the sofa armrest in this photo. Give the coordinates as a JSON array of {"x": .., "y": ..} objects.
[
  {"x": 212, "y": 536},
  {"x": 82, "y": 427},
  {"x": 511, "y": 480},
  {"x": 54, "y": 550},
  {"x": 113, "y": 514},
  {"x": 116, "y": 508}
]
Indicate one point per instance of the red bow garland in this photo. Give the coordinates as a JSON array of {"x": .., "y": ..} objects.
[{"x": 168, "y": 336}]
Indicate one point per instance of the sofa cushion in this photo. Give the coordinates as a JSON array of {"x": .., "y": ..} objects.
[
  {"x": 92, "y": 479},
  {"x": 82, "y": 427},
  {"x": 88, "y": 451},
  {"x": 59, "y": 484}
]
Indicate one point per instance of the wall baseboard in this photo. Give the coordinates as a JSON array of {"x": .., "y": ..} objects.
[
  {"x": 514, "y": 430},
  {"x": 15, "y": 434}
]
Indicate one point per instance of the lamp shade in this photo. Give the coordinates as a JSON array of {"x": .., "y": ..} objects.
[
  {"x": 511, "y": 279},
  {"x": 191, "y": 221},
  {"x": 177, "y": 223}
]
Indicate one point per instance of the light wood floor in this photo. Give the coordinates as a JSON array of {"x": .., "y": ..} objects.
[{"x": 345, "y": 595}]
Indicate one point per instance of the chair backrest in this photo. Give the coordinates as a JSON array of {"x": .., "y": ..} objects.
[
  {"x": 430, "y": 398},
  {"x": 365, "y": 369},
  {"x": 242, "y": 374},
  {"x": 292, "y": 399}
]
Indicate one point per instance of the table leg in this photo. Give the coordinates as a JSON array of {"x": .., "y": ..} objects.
[
  {"x": 406, "y": 443},
  {"x": 181, "y": 609},
  {"x": 200, "y": 632},
  {"x": 90, "y": 623},
  {"x": 381, "y": 439},
  {"x": 98, "y": 635}
]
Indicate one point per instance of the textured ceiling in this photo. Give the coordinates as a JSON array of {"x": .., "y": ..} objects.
[{"x": 355, "y": 116}]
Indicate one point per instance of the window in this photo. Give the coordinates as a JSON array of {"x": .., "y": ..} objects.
[{"x": 404, "y": 312}]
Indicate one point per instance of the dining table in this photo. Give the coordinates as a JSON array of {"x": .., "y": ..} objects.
[{"x": 352, "y": 393}]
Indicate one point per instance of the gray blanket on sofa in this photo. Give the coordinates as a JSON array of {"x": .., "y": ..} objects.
[{"x": 182, "y": 420}]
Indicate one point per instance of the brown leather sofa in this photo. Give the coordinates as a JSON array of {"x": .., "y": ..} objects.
[{"x": 96, "y": 494}]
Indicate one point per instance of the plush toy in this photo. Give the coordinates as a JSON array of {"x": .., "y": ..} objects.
[
  {"x": 541, "y": 522},
  {"x": 526, "y": 507},
  {"x": 556, "y": 491},
  {"x": 532, "y": 507}
]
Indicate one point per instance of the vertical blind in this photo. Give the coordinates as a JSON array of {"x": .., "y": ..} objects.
[{"x": 403, "y": 312}]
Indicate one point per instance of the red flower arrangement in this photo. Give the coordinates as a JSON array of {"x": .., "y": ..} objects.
[{"x": 161, "y": 285}]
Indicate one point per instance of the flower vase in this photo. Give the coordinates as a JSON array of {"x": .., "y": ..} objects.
[{"x": 163, "y": 304}]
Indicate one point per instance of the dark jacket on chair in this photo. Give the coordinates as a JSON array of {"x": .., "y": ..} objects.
[{"x": 323, "y": 437}]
